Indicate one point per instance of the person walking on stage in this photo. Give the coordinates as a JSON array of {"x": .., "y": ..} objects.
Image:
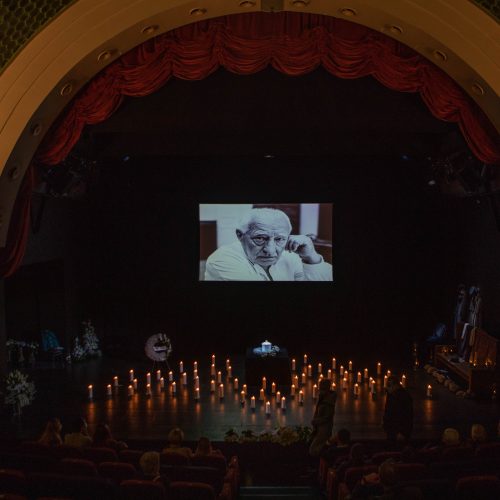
[
  {"x": 322, "y": 421},
  {"x": 398, "y": 413}
]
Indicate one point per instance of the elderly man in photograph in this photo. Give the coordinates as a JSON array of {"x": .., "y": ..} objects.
[{"x": 266, "y": 251}]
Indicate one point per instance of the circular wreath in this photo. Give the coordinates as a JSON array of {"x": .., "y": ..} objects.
[{"x": 158, "y": 347}]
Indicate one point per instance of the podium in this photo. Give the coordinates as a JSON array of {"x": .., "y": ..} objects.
[{"x": 274, "y": 368}]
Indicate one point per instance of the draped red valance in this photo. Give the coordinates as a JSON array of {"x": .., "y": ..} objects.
[{"x": 292, "y": 43}]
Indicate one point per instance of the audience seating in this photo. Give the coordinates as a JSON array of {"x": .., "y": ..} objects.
[
  {"x": 382, "y": 456},
  {"x": 13, "y": 482},
  {"x": 65, "y": 451},
  {"x": 478, "y": 488},
  {"x": 135, "y": 489},
  {"x": 98, "y": 455},
  {"x": 488, "y": 450},
  {"x": 131, "y": 457},
  {"x": 409, "y": 472},
  {"x": 77, "y": 467},
  {"x": 182, "y": 490},
  {"x": 116, "y": 471},
  {"x": 456, "y": 453},
  {"x": 173, "y": 459},
  {"x": 351, "y": 478}
]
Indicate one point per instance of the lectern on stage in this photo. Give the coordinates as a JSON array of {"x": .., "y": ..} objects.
[{"x": 267, "y": 361}]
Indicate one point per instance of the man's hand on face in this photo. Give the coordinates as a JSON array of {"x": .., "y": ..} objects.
[{"x": 304, "y": 247}]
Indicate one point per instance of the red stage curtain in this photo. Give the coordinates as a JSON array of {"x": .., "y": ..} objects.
[
  {"x": 12, "y": 254},
  {"x": 290, "y": 42},
  {"x": 246, "y": 43}
]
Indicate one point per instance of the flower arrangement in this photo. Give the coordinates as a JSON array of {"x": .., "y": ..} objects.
[
  {"x": 90, "y": 340},
  {"x": 79, "y": 353},
  {"x": 19, "y": 391},
  {"x": 285, "y": 435}
]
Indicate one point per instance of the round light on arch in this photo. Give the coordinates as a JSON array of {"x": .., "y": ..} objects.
[
  {"x": 348, "y": 11},
  {"x": 246, "y": 4},
  {"x": 439, "y": 55},
  {"x": 148, "y": 30},
  {"x": 66, "y": 89},
  {"x": 477, "y": 89},
  {"x": 36, "y": 129},
  {"x": 300, "y": 4},
  {"x": 105, "y": 56},
  {"x": 394, "y": 29},
  {"x": 198, "y": 11}
]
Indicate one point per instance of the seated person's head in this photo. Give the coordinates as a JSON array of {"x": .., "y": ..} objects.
[
  {"x": 478, "y": 433},
  {"x": 53, "y": 426},
  {"x": 204, "y": 446},
  {"x": 102, "y": 433},
  {"x": 450, "y": 437},
  {"x": 263, "y": 234},
  {"x": 79, "y": 424},
  {"x": 324, "y": 386},
  {"x": 387, "y": 473},
  {"x": 150, "y": 463},
  {"x": 175, "y": 437},
  {"x": 343, "y": 437}
]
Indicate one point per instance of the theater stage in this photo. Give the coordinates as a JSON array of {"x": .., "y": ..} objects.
[{"x": 62, "y": 391}]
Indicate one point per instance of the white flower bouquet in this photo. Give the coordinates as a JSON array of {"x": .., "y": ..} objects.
[{"x": 19, "y": 391}]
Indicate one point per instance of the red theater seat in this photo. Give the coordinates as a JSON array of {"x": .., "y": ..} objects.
[
  {"x": 382, "y": 456},
  {"x": 181, "y": 490},
  {"x": 135, "y": 489},
  {"x": 131, "y": 457},
  {"x": 34, "y": 448},
  {"x": 77, "y": 467},
  {"x": 98, "y": 455},
  {"x": 410, "y": 472},
  {"x": 352, "y": 477},
  {"x": 454, "y": 454},
  {"x": 13, "y": 481},
  {"x": 117, "y": 471},
  {"x": 489, "y": 450},
  {"x": 478, "y": 488},
  {"x": 65, "y": 451},
  {"x": 217, "y": 462},
  {"x": 173, "y": 459}
]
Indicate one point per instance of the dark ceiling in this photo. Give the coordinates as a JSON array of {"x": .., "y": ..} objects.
[{"x": 269, "y": 113}]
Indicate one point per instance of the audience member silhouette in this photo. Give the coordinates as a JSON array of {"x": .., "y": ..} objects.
[
  {"x": 51, "y": 435},
  {"x": 103, "y": 438},
  {"x": 175, "y": 438},
  {"x": 79, "y": 435}
]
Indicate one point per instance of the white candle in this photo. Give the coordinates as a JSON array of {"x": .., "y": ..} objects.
[
  {"x": 388, "y": 373},
  {"x": 268, "y": 408},
  {"x": 350, "y": 366},
  {"x": 334, "y": 364},
  {"x": 283, "y": 403},
  {"x": 162, "y": 383},
  {"x": 197, "y": 383},
  {"x": 115, "y": 381},
  {"x": 242, "y": 398},
  {"x": 236, "y": 384},
  {"x": 341, "y": 370},
  {"x": 320, "y": 368},
  {"x": 385, "y": 381},
  {"x": 301, "y": 397},
  {"x": 181, "y": 367},
  {"x": 296, "y": 380},
  {"x": 195, "y": 373},
  {"x": 228, "y": 364},
  {"x": 372, "y": 386},
  {"x": 292, "y": 390},
  {"x": 320, "y": 378},
  {"x": 219, "y": 377},
  {"x": 195, "y": 365},
  {"x": 264, "y": 383},
  {"x": 356, "y": 389},
  {"x": 278, "y": 397},
  {"x": 303, "y": 378},
  {"x": 315, "y": 391},
  {"x": 273, "y": 388},
  {"x": 252, "y": 402},
  {"x": 294, "y": 365},
  {"x": 184, "y": 378},
  {"x": 230, "y": 371},
  {"x": 91, "y": 392},
  {"x": 130, "y": 391},
  {"x": 334, "y": 386},
  {"x": 379, "y": 368},
  {"x": 429, "y": 391},
  {"x": 345, "y": 383},
  {"x": 261, "y": 395},
  {"x": 135, "y": 384},
  {"x": 365, "y": 373},
  {"x": 131, "y": 375},
  {"x": 329, "y": 374},
  {"x": 309, "y": 371},
  {"x": 170, "y": 376},
  {"x": 213, "y": 359},
  {"x": 245, "y": 389},
  {"x": 221, "y": 391},
  {"x": 359, "y": 378},
  {"x": 305, "y": 359},
  {"x": 174, "y": 388},
  {"x": 197, "y": 394},
  {"x": 212, "y": 385},
  {"x": 109, "y": 390},
  {"x": 148, "y": 378},
  {"x": 403, "y": 380},
  {"x": 212, "y": 370},
  {"x": 158, "y": 375},
  {"x": 148, "y": 389}
]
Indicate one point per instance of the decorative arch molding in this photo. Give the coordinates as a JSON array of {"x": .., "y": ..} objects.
[{"x": 90, "y": 34}]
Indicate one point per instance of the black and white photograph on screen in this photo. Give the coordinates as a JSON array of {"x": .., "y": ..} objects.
[{"x": 266, "y": 242}]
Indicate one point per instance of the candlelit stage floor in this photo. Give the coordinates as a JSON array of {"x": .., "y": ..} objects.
[{"x": 62, "y": 392}]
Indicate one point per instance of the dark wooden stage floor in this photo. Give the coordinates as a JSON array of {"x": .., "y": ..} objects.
[{"x": 62, "y": 392}]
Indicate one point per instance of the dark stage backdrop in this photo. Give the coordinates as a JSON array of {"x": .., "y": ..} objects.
[{"x": 399, "y": 251}]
